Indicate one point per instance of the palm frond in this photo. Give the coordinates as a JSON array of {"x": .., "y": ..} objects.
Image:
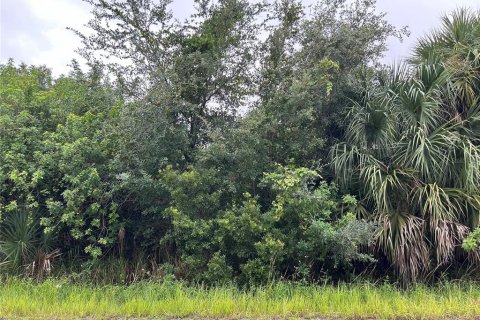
[
  {"x": 346, "y": 161},
  {"x": 431, "y": 153},
  {"x": 385, "y": 186},
  {"x": 17, "y": 238},
  {"x": 413, "y": 149},
  {"x": 401, "y": 238}
]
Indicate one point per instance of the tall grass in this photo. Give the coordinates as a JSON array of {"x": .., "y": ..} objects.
[{"x": 59, "y": 299}]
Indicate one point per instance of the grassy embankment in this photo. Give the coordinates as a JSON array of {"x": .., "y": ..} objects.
[{"x": 56, "y": 299}]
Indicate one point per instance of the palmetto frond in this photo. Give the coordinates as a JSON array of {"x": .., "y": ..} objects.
[
  {"x": 373, "y": 125},
  {"x": 472, "y": 122},
  {"x": 401, "y": 238},
  {"x": 23, "y": 244},
  {"x": 468, "y": 163},
  {"x": 385, "y": 186},
  {"x": 431, "y": 73},
  {"x": 17, "y": 238},
  {"x": 412, "y": 149},
  {"x": 418, "y": 107},
  {"x": 431, "y": 153},
  {"x": 456, "y": 44},
  {"x": 458, "y": 30},
  {"x": 347, "y": 159}
]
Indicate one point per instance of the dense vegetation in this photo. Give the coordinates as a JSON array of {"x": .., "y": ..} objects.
[{"x": 253, "y": 142}]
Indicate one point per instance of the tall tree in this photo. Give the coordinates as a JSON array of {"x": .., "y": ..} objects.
[
  {"x": 413, "y": 154},
  {"x": 312, "y": 65},
  {"x": 198, "y": 73}
]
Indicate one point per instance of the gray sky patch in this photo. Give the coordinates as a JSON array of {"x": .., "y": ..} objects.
[
  {"x": 22, "y": 32},
  {"x": 33, "y": 31}
]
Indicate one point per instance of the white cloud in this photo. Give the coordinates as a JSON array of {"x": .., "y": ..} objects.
[
  {"x": 421, "y": 16},
  {"x": 34, "y": 31}
]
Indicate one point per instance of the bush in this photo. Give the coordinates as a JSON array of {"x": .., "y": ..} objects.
[{"x": 307, "y": 230}]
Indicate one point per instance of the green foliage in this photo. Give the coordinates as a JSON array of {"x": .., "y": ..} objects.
[
  {"x": 206, "y": 158},
  {"x": 18, "y": 239},
  {"x": 24, "y": 248},
  {"x": 289, "y": 118},
  {"x": 193, "y": 76},
  {"x": 56, "y": 152},
  {"x": 313, "y": 65},
  {"x": 472, "y": 241},
  {"x": 304, "y": 225},
  {"x": 412, "y": 157}
]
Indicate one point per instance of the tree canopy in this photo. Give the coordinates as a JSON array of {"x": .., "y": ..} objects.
[{"x": 256, "y": 140}]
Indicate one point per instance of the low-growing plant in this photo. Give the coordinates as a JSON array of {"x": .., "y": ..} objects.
[
  {"x": 306, "y": 231},
  {"x": 24, "y": 248}
]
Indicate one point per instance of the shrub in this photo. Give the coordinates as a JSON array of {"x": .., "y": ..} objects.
[{"x": 306, "y": 230}]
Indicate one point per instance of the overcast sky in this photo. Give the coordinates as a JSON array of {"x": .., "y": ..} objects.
[{"x": 33, "y": 31}]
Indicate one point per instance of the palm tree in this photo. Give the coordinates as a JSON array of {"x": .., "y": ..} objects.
[
  {"x": 24, "y": 246},
  {"x": 412, "y": 150}
]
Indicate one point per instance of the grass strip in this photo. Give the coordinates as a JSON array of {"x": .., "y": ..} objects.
[{"x": 59, "y": 299}]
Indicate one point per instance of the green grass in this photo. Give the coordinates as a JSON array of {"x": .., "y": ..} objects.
[{"x": 53, "y": 298}]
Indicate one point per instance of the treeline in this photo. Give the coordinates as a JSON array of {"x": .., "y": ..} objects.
[{"x": 252, "y": 142}]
